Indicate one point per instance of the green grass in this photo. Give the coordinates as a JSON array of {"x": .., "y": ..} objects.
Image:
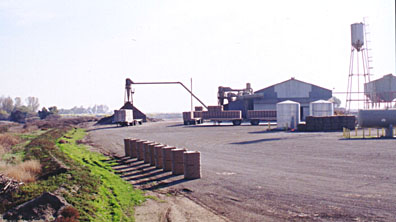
[
  {"x": 89, "y": 185},
  {"x": 115, "y": 198}
]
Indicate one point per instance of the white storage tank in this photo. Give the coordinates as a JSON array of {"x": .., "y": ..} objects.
[
  {"x": 321, "y": 108},
  {"x": 288, "y": 114},
  {"x": 357, "y": 35}
]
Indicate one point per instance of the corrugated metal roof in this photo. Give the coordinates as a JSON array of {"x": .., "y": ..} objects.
[{"x": 291, "y": 79}]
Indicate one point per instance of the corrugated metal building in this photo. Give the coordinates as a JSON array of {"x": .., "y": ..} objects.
[
  {"x": 382, "y": 89},
  {"x": 292, "y": 89}
]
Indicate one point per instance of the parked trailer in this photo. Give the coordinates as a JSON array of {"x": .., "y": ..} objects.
[
  {"x": 255, "y": 116},
  {"x": 217, "y": 114},
  {"x": 124, "y": 117},
  {"x": 192, "y": 118}
]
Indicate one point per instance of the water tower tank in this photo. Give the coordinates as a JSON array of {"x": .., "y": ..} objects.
[
  {"x": 357, "y": 35},
  {"x": 288, "y": 114},
  {"x": 321, "y": 108}
]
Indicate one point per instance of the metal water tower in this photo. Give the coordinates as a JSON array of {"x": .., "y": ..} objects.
[
  {"x": 359, "y": 70},
  {"x": 357, "y": 35}
]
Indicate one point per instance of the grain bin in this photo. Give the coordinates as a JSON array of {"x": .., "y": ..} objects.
[
  {"x": 288, "y": 114},
  {"x": 321, "y": 108}
]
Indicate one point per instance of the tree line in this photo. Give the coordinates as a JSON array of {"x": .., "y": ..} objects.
[
  {"x": 15, "y": 109},
  {"x": 18, "y": 111}
]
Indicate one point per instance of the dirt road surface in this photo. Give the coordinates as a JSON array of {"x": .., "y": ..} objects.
[{"x": 250, "y": 174}]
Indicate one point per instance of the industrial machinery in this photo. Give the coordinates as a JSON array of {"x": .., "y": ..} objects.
[
  {"x": 234, "y": 105},
  {"x": 138, "y": 115}
]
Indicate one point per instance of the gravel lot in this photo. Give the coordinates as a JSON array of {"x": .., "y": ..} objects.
[{"x": 250, "y": 174}]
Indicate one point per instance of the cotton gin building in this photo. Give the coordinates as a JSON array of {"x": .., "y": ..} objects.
[{"x": 294, "y": 90}]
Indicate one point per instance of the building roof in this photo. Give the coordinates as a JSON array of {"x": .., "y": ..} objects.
[{"x": 291, "y": 79}]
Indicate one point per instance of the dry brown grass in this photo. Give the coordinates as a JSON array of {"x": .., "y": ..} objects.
[
  {"x": 8, "y": 140},
  {"x": 25, "y": 171},
  {"x": 2, "y": 150}
]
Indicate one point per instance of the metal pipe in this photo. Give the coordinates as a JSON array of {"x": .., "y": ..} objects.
[{"x": 158, "y": 83}]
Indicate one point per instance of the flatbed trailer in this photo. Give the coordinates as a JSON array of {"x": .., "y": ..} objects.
[
  {"x": 218, "y": 115},
  {"x": 235, "y": 121},
  {"x": 257, "y": 116}
]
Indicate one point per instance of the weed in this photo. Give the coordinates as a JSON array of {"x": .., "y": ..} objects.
[
  {"x": 8, "y": 140},
  {"x": 69, "y": 214},
  {"x": 25, "y": 171},
  {"x": 32, "y": 166},
  {"x": 89, "y": 185}
]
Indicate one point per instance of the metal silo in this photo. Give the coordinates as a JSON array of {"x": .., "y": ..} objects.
[
  {"x": 288, "y": 114},
  {"x": 321, "y": 108},
  {"x": 357, "y": 35}
]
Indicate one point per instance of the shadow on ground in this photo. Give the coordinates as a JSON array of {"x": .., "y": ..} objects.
[
  {"x": 144, "y": 176},
  {"x": 257, "y": 141}
]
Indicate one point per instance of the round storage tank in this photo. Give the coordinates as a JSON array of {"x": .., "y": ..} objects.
[
  {"x": 357, "y": 35},
  {"x": 321, "y": 108},
  {"x": 288, "y": 114},
  {"x": 377, "y": 118}
]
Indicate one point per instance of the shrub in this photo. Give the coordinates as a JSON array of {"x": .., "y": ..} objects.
[
  {"x": 25, "y": 172},
  {"x": 32, "y": 166},
  {"x": 3, "y": 128},
  {"x": 8, "y": 140},
  {"x": 2, "y": 150},
  {"x": 20, "y": 114},
  {"x": 19, "y": 175},
  {"x": 69, "y": 214}
]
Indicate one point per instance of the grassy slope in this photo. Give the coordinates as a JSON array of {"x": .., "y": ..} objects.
[
  {"x": 90, "y": 184},
  {"x": 115, "y": 198}
]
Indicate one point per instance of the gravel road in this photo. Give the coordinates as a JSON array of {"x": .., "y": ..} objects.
[{"x": 250, "y": 174}]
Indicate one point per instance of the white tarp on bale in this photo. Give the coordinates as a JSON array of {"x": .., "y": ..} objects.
[{"x": 288, "y": 114}]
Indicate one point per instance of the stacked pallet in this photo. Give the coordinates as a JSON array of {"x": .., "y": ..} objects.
[
  {"x": 329, "y": 123},
  {"x": 220, "y": 114},
  {"x": 215, "y": 108},
  {"x": 261, "y": 114},
  {"x": 192, "y": 164},
  {"x": 199, "y": 108},
  {"x": 197, "y": 114},
  {"x": 158, "y": 155},
  {"x": 179, "y": 161},
  {"x": 167, "y": 158},
  {"x": 188, "y": 116}
]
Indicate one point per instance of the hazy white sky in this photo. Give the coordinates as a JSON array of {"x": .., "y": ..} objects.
[{"x": 70, "y": 53}]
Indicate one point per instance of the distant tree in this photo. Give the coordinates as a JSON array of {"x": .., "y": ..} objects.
[
  {"x": 7, "y": 104},
  {"x": 17, "y": 102},
  {"x": 19, "y": 114},
  {"x": 336, "y": 101},
  {"x": 102, "y": 109},
  {"x": 4, "y": 115},
  {"x": 32, "y": 103},
  {"x": 50, "y": 112}
]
